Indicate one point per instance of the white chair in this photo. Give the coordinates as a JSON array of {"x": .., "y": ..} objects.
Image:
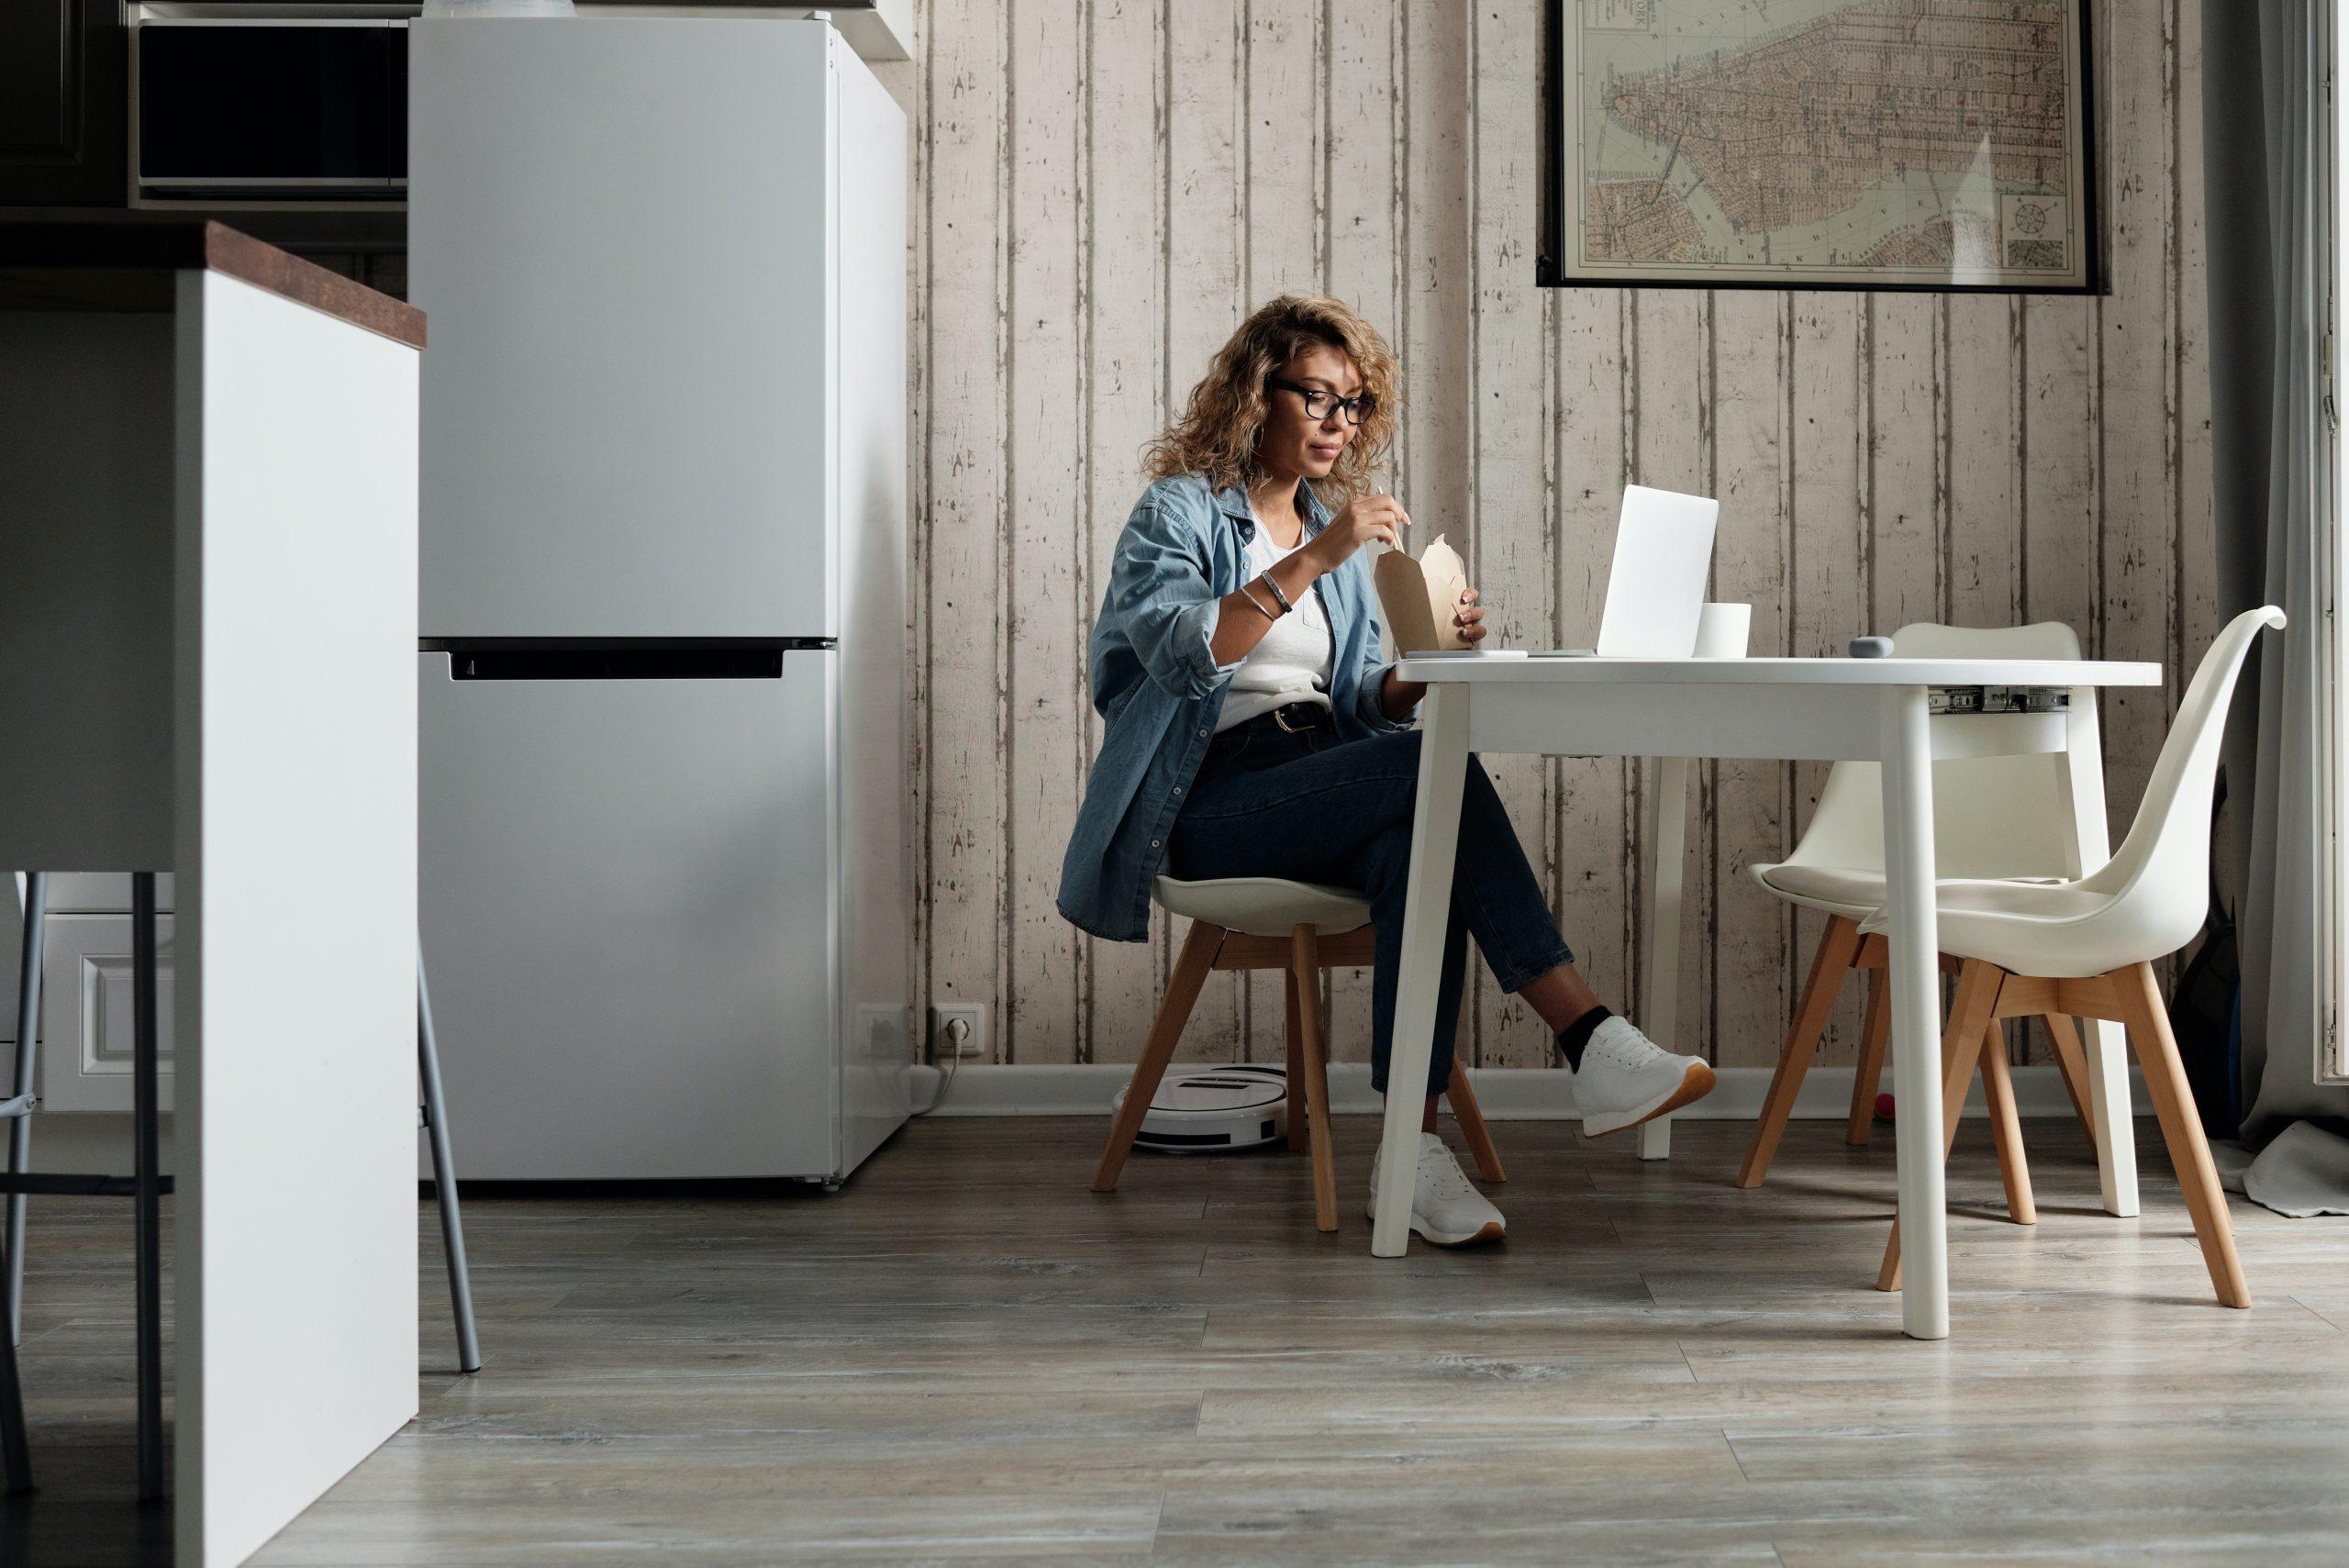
[
  {"x": 2087, "y": 947},
  {"x": 1993, "y": 817},
  {"x": 1261, "y": 922}
]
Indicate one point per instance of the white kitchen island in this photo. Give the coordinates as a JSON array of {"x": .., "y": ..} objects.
[{"x": 208, "y": 634}]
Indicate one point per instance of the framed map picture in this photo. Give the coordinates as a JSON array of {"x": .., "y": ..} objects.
[{"x": 1879, "y": 144}]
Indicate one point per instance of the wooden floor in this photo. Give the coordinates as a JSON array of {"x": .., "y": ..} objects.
[{"x": 966, "y": 1355}]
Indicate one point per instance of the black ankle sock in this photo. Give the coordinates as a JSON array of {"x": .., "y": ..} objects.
[{"x": 1576, "y": 1034}]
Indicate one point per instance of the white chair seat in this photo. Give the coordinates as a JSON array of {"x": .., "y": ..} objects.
[
  {"x": 1853, "y": 892},
  {"x": 1265, "y": 905},
  {"x": 2054, "y": 930}
]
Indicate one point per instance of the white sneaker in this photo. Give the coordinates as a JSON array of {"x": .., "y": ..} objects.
[
  {"x": 1626, "y": 1079},
  {"x": 1446, "y": 1209}
]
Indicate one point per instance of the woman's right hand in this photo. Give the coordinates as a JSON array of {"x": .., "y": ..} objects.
[{"x": 1379, "y": 518}]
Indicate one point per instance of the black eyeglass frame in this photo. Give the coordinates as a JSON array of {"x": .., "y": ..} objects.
[{"x": 1356, "y": 408}]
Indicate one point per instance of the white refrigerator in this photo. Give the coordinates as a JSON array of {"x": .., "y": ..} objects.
[{"x": 665, "y": 898}]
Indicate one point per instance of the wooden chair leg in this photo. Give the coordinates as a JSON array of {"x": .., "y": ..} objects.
[
  {"x": 2073, "y": 1063},
  {"x": 1970, "y": 1012},
  {"x": 2147, "y": 1021},
  {"x": 1836, "y": 948},
  {"x": 1296, "y": 1076},
  {"x": 1868, "y": 1078},
  {"x": 1305, "y": 975},
  {"x": 1473, "y": 1129},
  {"x": 2006, "y": 1126},
  {"x": 1165, "y": 1031}
]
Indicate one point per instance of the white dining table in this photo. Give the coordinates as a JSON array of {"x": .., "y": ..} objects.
[{"x": 1875, "y": 710}]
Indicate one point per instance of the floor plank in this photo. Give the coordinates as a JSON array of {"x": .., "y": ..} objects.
[{"x": 966, "y": 1356}]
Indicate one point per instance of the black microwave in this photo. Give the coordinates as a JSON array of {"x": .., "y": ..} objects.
[{"x": 268, "y": 108}]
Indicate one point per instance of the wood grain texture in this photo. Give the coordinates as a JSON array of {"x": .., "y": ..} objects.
[
  {"x": 1107, "y": 186},
  {"x": 966, "y": 645},
  {"x": 1364, "y": 216},
  {"x": 1283, "y": 188},
  {"x": 965, "y": 1356},
  {"x": 1751, "y": 822},
  {"x": 1671, "y": 442},
  {"x": 1049, "y": 594},
  {"x": 1121, "y": 197},
  {"x": 1205, "y": 251},
  {"x": 1827, "y": 584},
  {"x": 1593, "y": 827},
  {"x": 1512, "y": 526}
]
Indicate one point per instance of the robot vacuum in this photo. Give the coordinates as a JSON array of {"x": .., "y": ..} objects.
[{"x": 1208, "y": 1110}]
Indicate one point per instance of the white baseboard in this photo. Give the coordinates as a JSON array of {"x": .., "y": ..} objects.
[{"x": 1507, "y": 1094}]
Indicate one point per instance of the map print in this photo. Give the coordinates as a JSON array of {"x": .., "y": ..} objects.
[{"x": 1893, "y": 142}]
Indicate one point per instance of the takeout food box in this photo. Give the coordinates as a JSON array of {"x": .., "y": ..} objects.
[{"x": 1420, "y": 597}]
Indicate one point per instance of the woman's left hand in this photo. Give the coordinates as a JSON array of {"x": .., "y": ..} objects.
[
  {"x": 1469, "y": 618},
  {"x": 1397, "y": 698}
]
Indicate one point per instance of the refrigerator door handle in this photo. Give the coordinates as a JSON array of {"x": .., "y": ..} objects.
[{"x": 649, "y": 659}]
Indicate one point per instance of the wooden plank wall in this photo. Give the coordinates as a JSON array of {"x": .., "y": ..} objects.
[{"x": 1103, "y": 188}]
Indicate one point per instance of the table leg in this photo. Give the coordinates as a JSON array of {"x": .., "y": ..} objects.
[
  {"x": 2108, "y": 1048},
  {"x": 1655, "y": 1138},
  {"x": 1669, "y": 835},
  {"x": 444, "y": 1175},
  {"x": 2115, "y": 1152},
  {"x": 1435, "y": 835},
  {"x": 1915, "y": 1000}
]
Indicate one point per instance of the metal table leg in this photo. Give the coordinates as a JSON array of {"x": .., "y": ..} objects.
[
  {"x": 16, "y": 1459},
  {"x": 444, "y": 1177}
]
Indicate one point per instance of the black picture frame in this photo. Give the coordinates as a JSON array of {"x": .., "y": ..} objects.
[{"x": 1551, "y": 249}]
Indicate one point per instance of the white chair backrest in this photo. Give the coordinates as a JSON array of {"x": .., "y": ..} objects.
[
  {"x": 1993, "y": 817},
  {"x": 2159, "y": 879}
]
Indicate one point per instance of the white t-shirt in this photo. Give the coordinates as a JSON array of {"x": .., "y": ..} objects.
[{"x": 1292, "y": 662}]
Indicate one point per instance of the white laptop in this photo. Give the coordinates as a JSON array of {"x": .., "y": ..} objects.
[{"x": 1655, "y": 589}]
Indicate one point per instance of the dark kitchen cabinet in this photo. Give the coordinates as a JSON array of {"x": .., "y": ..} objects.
[{"x": 65, "y": 83}]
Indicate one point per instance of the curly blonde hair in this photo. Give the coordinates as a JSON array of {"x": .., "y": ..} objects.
[{"x": 1216, "y": 435}]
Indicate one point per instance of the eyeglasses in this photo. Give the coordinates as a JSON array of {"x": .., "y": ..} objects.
[{"x": 1318, "y": 403}]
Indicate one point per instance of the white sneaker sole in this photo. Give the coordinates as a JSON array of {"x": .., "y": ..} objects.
[
  {"x": 1695, "y": 1085},
  {"x": 1489, "y": 1232}
]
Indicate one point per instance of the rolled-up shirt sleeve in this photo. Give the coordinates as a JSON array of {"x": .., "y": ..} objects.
[{"x": 1164, "y": 603}]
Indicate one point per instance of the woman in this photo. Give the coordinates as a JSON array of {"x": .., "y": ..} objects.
[{"x": 1253, "y": 730}]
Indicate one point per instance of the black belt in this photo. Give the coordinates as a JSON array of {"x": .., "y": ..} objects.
[{"x": 1294, "y": 718}]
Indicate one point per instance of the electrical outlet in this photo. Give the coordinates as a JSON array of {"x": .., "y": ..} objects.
[{"x": 973, "y": 1041}]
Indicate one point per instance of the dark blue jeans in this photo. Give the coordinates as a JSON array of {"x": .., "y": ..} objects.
[{"x": 1311, "y": 807}]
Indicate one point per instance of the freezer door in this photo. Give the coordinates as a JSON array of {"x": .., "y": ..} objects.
[
  {"x": 629, "y": 889},
  {"x": 619, "y": 228}
]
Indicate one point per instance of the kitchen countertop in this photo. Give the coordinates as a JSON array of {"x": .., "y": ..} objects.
[{"x": 126, "y": 263}]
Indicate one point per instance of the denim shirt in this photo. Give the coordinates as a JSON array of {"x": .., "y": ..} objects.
[{"x": 1156, "y": 682}]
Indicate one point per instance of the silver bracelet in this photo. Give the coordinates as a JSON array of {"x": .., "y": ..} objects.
[
  {"x": 1266, "y": 578},
  {"x": 1257, "y": 604}
]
